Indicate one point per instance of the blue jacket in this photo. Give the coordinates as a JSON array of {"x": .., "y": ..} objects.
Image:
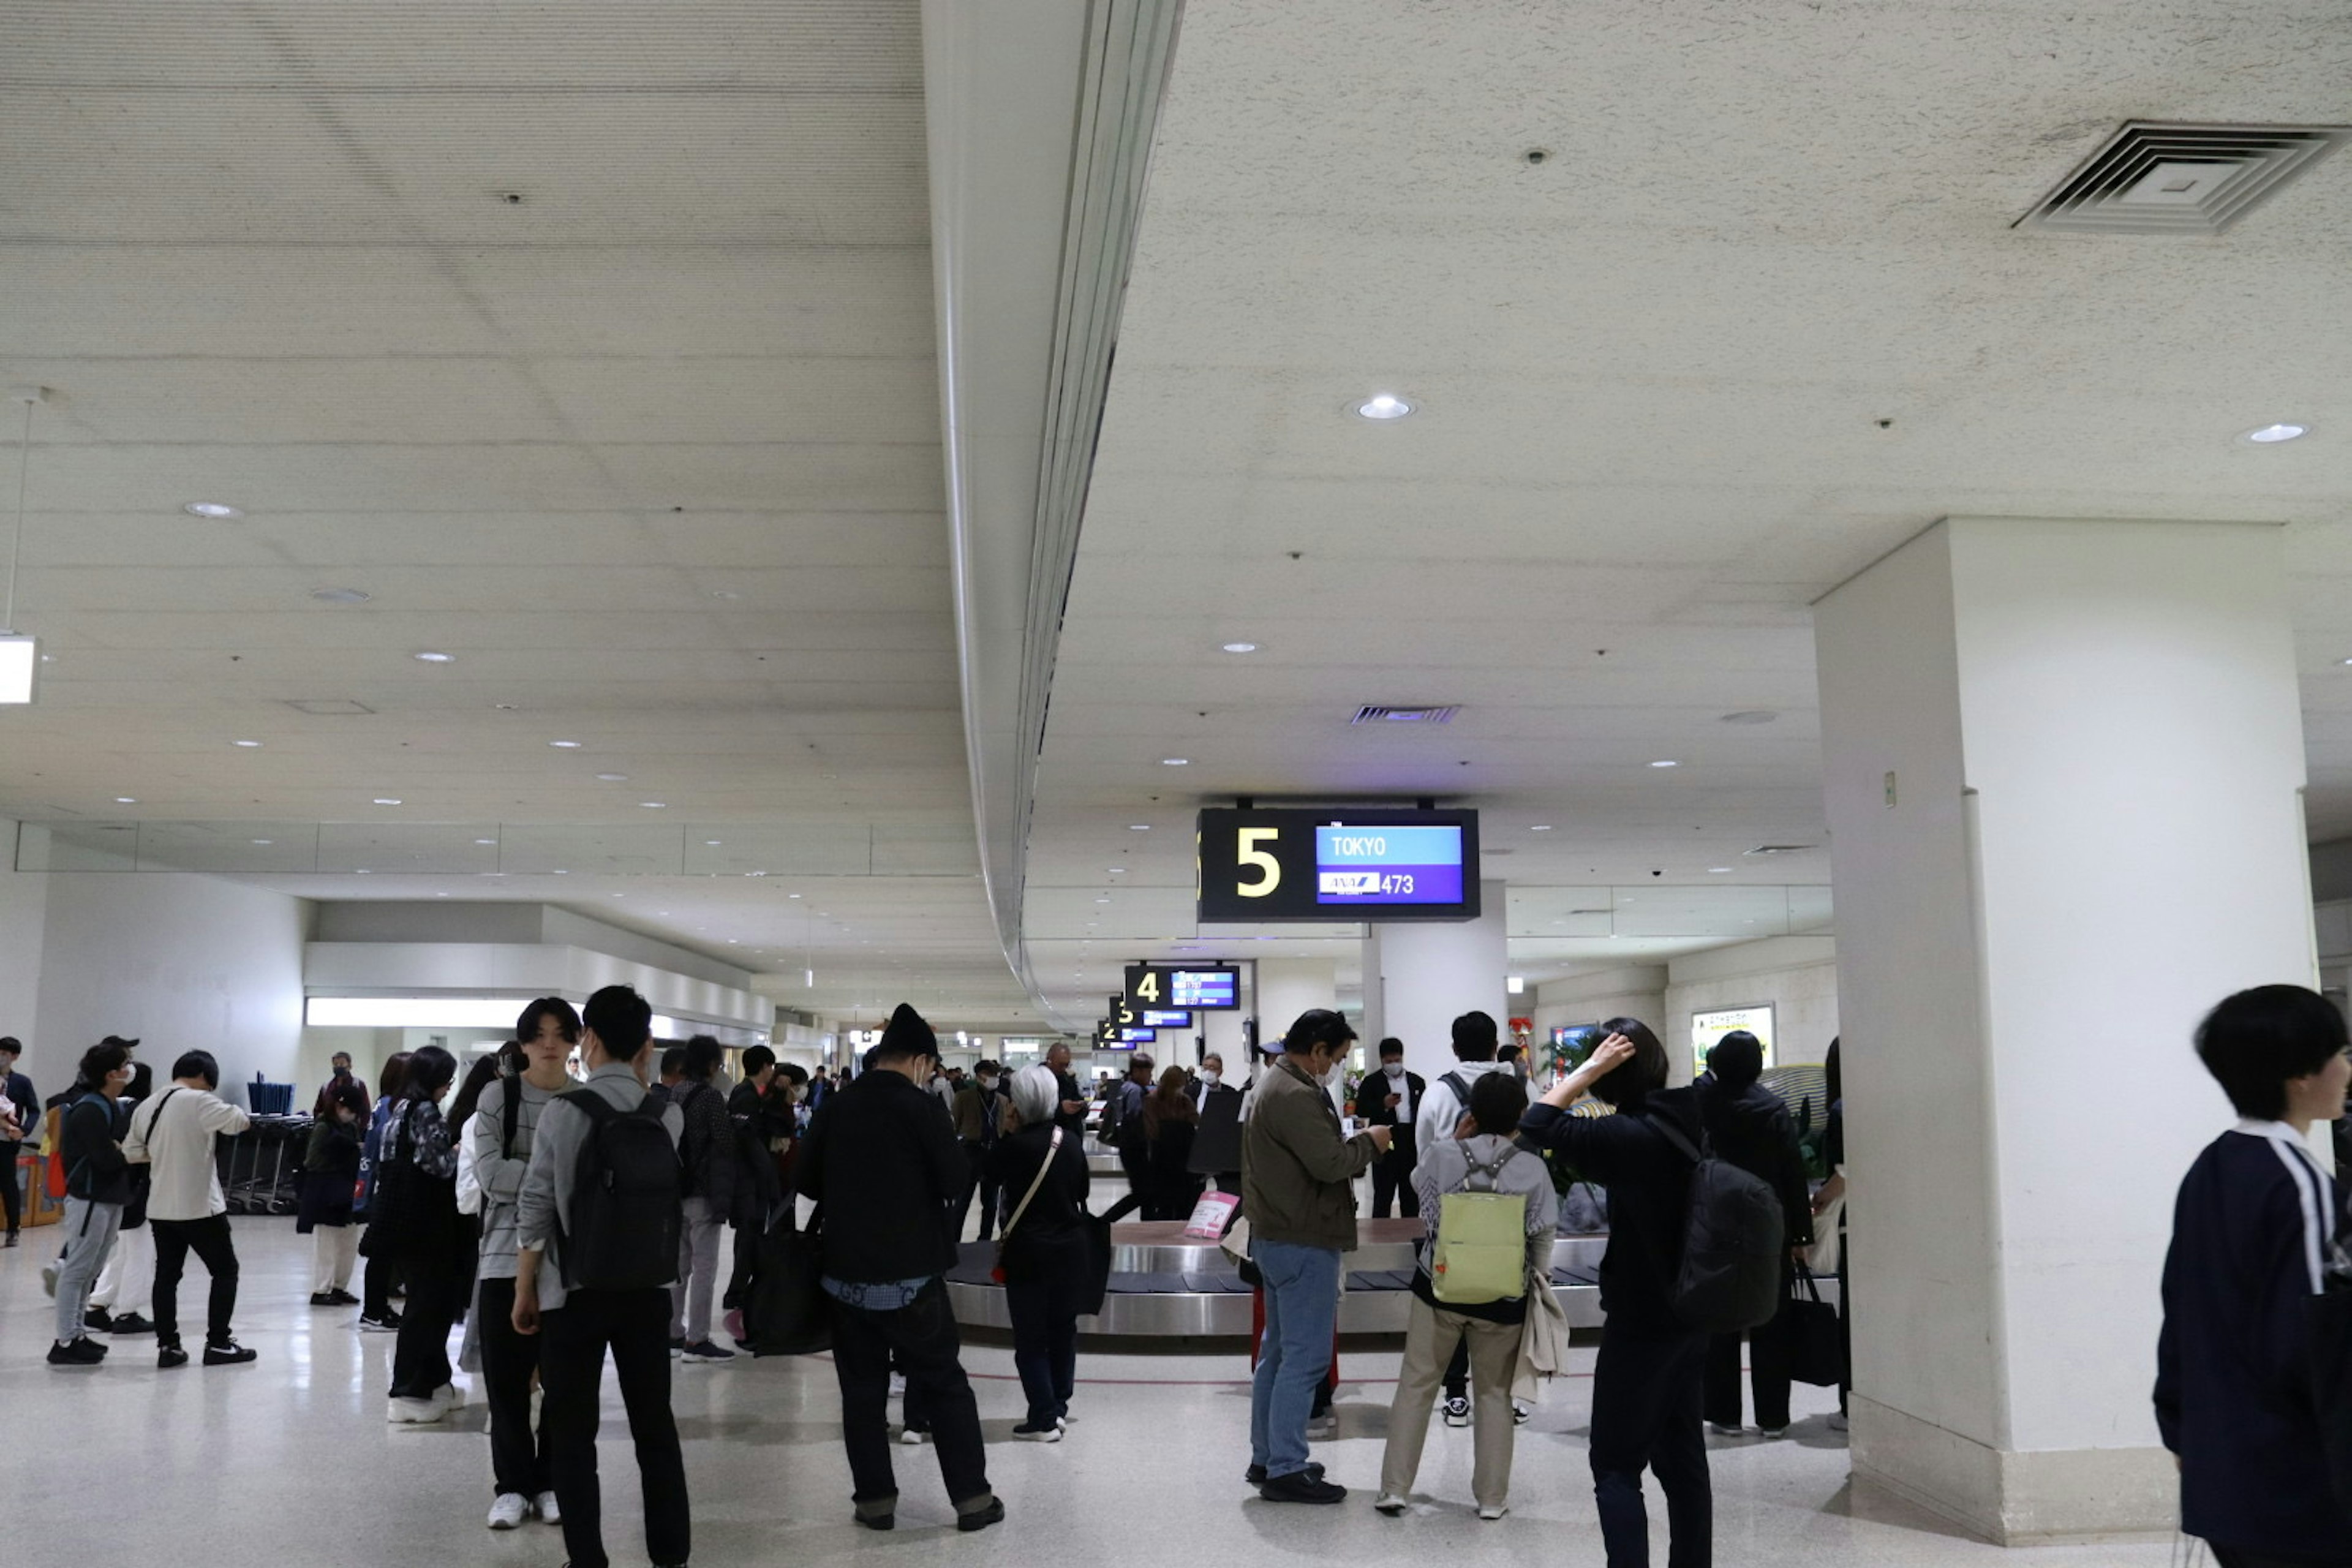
[{"x": 2251, "y": 1233}]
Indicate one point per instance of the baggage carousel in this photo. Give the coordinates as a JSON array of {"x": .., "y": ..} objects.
[{"x": 1166, "y": 1285}]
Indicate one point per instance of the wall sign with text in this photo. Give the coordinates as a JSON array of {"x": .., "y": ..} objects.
[{"x": 1339, "y": 865}]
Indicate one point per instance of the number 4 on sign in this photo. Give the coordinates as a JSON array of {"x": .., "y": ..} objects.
[{"x": 1147, "y": 989}]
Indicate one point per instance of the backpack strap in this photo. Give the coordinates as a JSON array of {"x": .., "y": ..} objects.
[
  {"x": 1680, "y": 1142},
  {"x": 1460, "y": 1085}
]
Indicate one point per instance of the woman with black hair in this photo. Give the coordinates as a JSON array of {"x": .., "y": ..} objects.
[
  {"x": 1170, "y": 1122},
  {"x": 376, "y": 1316},
  {"x": 330, "y": 1168},
  {"x": 414, "y": 1223}
]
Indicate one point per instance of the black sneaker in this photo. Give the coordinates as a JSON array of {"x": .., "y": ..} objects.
[
  {"x": 97, "y": 1320},
  {"x": 133, "y": 1323},
  {"x": 981, "y": 1517},
  {"x": 343, "y": 1298},
  {"x": 228, "y": 1353},
  {"x": 1255, "y": 1474},
  {"x": 83, "y": 1352},
  {"x": 1302, "y": 1486},
  {"x": 324, "y": 1299},
  {"x": 387, "y": 1324},
  {"x": 168, "y": 1357},
  {"x": 707, "y": 1350}
]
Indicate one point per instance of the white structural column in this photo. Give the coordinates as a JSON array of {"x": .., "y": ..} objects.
[
  {"x": 2064, "y": 766},
  {"x": 1419, "y": 975},
  {"x": 1289, "y": 986}
]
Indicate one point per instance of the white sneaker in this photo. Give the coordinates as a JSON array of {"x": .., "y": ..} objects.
[
  {"x": 1521, "y": 1413},
  {"x": 1458, "y": 1413},
  {"x": 549, "y": 1512},
  {"x": 1494, "y": 1513},
  {"x": 413, "y": 1412},
  {"x": 451, "y": 1396},
  {"x": 912, "y": 1438},
  {"x": 1322, "y": 1428},
  {"x": 510, "y": 1511},
  {"x": 1389, "y": 1503}
]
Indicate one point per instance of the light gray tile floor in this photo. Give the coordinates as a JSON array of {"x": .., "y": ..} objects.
[{"x": 290, "y": 1461}]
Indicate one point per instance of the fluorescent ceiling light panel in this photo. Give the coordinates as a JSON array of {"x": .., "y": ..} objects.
[
  {"x": 19, "y": 657},
  {"x": 413, "y": 1012}
]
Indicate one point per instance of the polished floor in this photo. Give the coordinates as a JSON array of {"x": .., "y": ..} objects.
[{"x": 290, "y": 1461}]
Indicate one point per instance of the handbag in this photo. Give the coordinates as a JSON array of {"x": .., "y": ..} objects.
[
  {"x": 1815, "y": 1337},
  {"x": 1053, "y": 1152},
  {"x": 788, "y": 1313}
]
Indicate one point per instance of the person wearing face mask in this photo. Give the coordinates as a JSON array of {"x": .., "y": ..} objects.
[
  {"x": 331, "y": 1166},
  {"x": 763, "y": 1107},
  {"x": 1299, "y": 1172},
  {"x": 981, "y": 1109},
  {"x": 1391, "y": 1097}
]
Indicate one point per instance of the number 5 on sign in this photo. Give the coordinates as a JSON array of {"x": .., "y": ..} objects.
[{"x": 1249, "y": 854}]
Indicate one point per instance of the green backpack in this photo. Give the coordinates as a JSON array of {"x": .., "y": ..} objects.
[{"x": 1481, "y": 1241}]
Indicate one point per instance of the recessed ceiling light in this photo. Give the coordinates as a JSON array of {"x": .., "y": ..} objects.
[
  {"x": 434, "y": 657},
  {"x": 359, "y": 870},
  {"x": 1175, "y": 761},
  {"x": 1665, "y": 763},
  {"x": 211, "y": 509},
  {"x": 565, "y": 745},
  {"x": 712, "y": 842},
  {"x": 1241, "y": 648},
  {"x": 792, "y": 894},
  {"x": 1540, "y": 828},
  {"x": 1119, "y": 871},
  {"x": 562, "y": 873},
  {"x": 440, "y": 895},
  {"x": 1383, "y": 406},
  {"x": 1719, "y": 870},
  {"x": 486, "y": 841},
  {"x": 265, "y": 841},
  {"x": 385, "y": 800},
  {"x": 248, "y": 745},
  {"x": 655, "y": 804},
  {"x": 2271, "y": 435},
  {"x": 126, "y": 800},
  {"x": 613, "y": 778},
  {"x": 1146, "y": 828},
  {"x": 339, "y": 595}
]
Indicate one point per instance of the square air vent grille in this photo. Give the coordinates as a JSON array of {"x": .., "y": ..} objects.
[
  {"x": 1376, "y": 713},
  {"x": 2157, "y": 178}
]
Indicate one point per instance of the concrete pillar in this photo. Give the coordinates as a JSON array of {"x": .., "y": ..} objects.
[
  {"x": 1428, "y": 972},
  {"x": 2063, "y": 763},
  {"x": 1289, "y": 986}
]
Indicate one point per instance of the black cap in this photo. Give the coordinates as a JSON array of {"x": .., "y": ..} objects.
[
  {"x": 119, "y": 1040},
  {"x": 906, "y": 1035}
]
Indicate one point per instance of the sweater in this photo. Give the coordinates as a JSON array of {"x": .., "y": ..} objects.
[
  {"x": 552, "y": 1177},
  {"x": 2251, "y": 1230},
  {"x": 883, "y": 1159},
  {"x": 173, "y": 1135},
  {"x": 1649, "y": 1198},
  {"x": 1298, "y": 1169},
  {"x": 499, "y": 1174}
]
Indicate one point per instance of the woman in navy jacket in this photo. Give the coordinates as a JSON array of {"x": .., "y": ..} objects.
[{"x": 2251, "y": 1231}]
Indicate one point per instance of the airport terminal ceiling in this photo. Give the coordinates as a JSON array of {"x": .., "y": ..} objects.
[{"x": 623, "y": 393}]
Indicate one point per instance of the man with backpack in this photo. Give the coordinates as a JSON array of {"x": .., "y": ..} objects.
[
  {"x": 97, "y": 1183},
  {"x": 1441, "y": 1109},
  {"x": 1666, "y": 1194},
  {"x": 882, "y": 1162},
  {"x": 596, "y": 1232},
  {"x": 709, "y": 1151}
]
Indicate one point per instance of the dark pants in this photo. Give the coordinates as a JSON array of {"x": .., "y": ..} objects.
[
  {"x": 1392, "y": 1188},
  {"x": 922, "y": 1335},
  {"x": 976, "y": 1183},
  {"x": 1771, "y": 1352},
  {"x": 572, "y": 1339},
  {"x": 1457, "y": 1370},
  {"x": 11, "y": 1174},
  {"x": 420, "y": 1356},
  {"x": 1645, "y": 1413},
  {"x": 1167, "y": 1199},
  {"x": 518, "y": 1455},
  {"x": 745, "y": 1273},
  {"x": 1137, "y": 1167},
  {"x": 1045, "y": 1338},
  {"x": 2233, "y": 1557},
  {"x": 208, "y": 1239},
  {"x": 375, "y": 1288}
]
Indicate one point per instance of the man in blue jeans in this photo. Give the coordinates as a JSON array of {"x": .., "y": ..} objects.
[{"x": 1298, "y": 1170}]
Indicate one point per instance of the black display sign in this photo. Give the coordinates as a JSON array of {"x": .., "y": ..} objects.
[
  {"x": 1157, "y": 1018},
  {"x": 1182, "y": 988},
  {"x": 1338, "y": 865}
]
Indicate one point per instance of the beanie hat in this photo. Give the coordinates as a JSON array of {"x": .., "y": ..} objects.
[{"x": 906, "y": 1035}]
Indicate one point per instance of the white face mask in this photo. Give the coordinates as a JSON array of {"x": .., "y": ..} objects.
[
  {"x": 988, "y": 1083},
  {"x": 1394, "y": 1069},
  {"x": 1330, "y": 1079},
  {"x": 1210, "y": 1076}
]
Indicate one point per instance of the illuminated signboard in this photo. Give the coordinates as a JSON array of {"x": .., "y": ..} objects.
[{"x": 1351, "y": 865}]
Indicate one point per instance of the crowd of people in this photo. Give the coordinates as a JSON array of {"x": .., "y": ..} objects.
[{"x": 568, "y": 1202}]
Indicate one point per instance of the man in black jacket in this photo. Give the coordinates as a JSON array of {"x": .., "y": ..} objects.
[
  {"x": 883, "y": 1160},
  {"x": 97, "y": 1183},
  {"x": 1646, "y": 1380},
  {"x": 1391, "y": 1097},
  {"x": 1749, "y": 1126},
  {"x": 20, "y": 1119}
]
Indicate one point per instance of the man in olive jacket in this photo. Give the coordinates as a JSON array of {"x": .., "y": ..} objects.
[{"x": 1298, "y": 1173}]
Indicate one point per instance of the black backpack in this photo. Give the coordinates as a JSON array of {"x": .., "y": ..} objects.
[
  {"x": 621, "y": 1232},
  {"x": 1734, "y": 1249}
]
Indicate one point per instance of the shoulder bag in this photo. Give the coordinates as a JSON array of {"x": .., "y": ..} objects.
[{"x": 1053, "y": 1152}]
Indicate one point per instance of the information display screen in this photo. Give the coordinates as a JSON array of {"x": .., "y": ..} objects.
[
  {"x": 1159, "y": 1019},
  {"x": 1354, "y": 864},
  {"x": 1169, "y": 990},
  {"x": 1388, "y": 865}
]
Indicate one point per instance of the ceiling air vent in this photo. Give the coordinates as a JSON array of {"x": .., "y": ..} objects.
[
  {"x": 327, "y": 705},
  {"x": 2156, "y": 178},
  {"x": 1374, "y": 713}
]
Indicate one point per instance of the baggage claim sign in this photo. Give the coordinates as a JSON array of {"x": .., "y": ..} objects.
[{"x": 1369, "y": 865}]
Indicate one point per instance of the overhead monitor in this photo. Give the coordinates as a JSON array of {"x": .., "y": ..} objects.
[
  {"x": 1342, "y": 865},
  {"x": 1182, "y": 989}
]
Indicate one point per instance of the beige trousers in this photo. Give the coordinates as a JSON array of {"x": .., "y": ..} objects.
[{"x": 1429, "y": 1340}]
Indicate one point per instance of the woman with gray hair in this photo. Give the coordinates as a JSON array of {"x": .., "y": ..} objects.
[{"x": 1041, "y": 1253}]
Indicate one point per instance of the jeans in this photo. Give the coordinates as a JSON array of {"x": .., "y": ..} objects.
[
  {"x": 572, "y": 1339},
  {"x": 420, "y": 1356},
  {"x": 518, "y": 1455},
  {"x": 1433, "y": 1336},
  {"x": 1645, "y": 1412},
  {"x": 1302, "y": 1306},
  {"x": 698, "y": 1272},
  {"x": 922, "y": 1337},
  {"x": 208, "y": 1238},
  {"x": 1045, "y": 1338},
  {"x": 89, "y": 1236}
]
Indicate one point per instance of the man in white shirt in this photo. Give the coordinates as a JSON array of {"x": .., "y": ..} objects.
[
  {"x": 174, "y": 1136},
  {"x": 1476, "y": 1039}
]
